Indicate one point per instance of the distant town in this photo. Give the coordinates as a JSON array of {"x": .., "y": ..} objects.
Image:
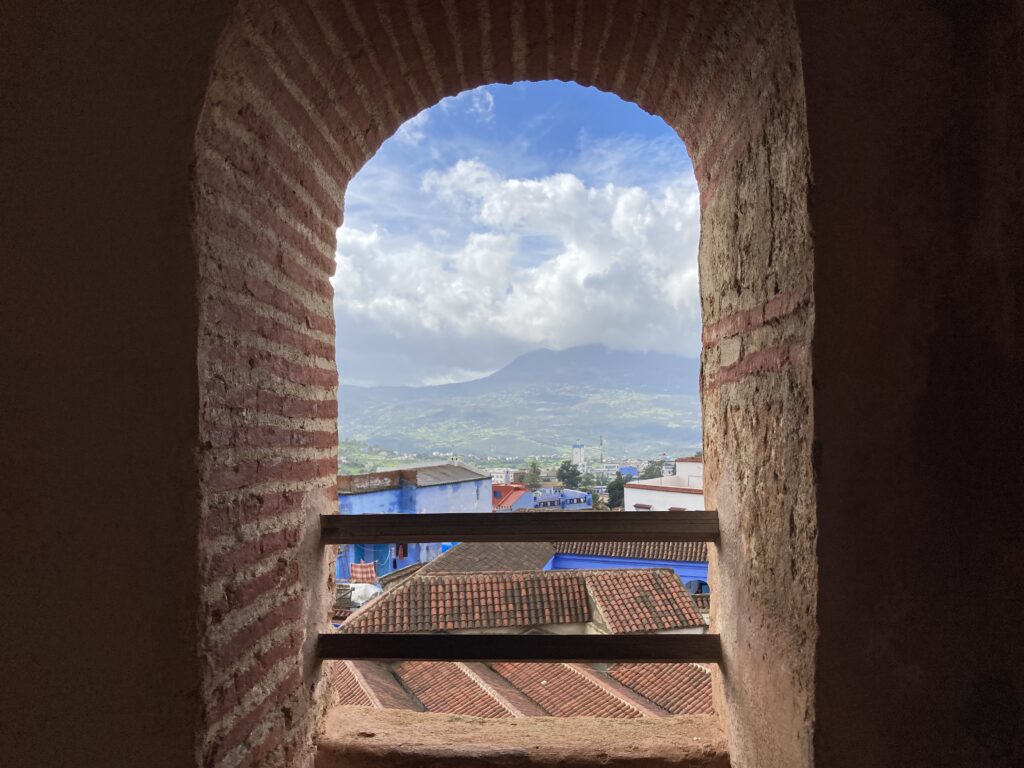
[{"x": 555, "y": 587}]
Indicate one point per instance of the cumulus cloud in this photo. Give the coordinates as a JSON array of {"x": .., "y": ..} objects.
[{"x": 528, "y": 262}]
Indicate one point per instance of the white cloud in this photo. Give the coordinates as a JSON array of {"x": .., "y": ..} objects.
[
  {"x": 619, "y": 267},
  {"x": 482, "y": 104},
  {"x": 414, "y": 130}
]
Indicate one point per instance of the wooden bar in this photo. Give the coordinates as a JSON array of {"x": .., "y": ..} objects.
[
  {"x": 520, "y": 526},
  {"x": 570, "y": 648}
]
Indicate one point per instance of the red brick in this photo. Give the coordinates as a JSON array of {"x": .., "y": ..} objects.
[
  {"x": 258, "y": 72},
  {"x": 251, "y": 551},
  {"x": 267, "y": 220},
  {"x": 227, "y": 312},
  {"x": 243, "y": 357},
  {"x": 235, "y": 647},
  {"x": 315, "y": 42},
  {"x": 771, "y": 360},
  {"x": 250, "y": 158},
  {"x": 245, "y": 725},
  {"x": 226, "y": 516},
  {"x": 230, "y": 694},
  {"x": 501, "y": 40}
]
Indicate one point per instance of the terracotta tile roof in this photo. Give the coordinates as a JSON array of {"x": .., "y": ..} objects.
[
  {"x": 473, "y": 557},
  {"x": 394, "y": 578},
  {"x": 682, "y": 689},
  {"x": 641, "y": 600},
  {"x": 345, "y": 684},
  {"x": 702, "y": 601},
  {"x": 507, "y": 495},
  {"x": 443, "y": 686},
  {"x": 516, "y": 689},
  {"x": 563, "y": 692},
  {"x": 476, "y": 601},
  {"x": 627, "y": 600},
  {"x": 511, "y": 498},
  {"x": 677, "y": 551},
  {"x": 369, "y": 684},
  {"x": 511, "y": 698}
]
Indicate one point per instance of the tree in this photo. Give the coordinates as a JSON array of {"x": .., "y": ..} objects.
[
  {"x": 616, "y": 491},
  {"x": 588, "y": 480},
  {"x": 652, "y": 470},
  {"x": 533, "y": 476},
  {"x": 569, "y": 474}
]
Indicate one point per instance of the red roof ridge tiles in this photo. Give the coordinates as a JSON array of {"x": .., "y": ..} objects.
[
  {"x": 446, "y": 686},
  {"x": 381, "y": 686},
  {"x": 515, "y": 702},
  {"x": 613, "y": 687},
  {"x": 679, "y": 688}
]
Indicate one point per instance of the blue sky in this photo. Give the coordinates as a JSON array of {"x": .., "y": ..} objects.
[{"x": 510, "y": 218}]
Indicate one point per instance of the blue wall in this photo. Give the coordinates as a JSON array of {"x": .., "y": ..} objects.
[
  {"x": 408, "y": 499},
  {"x": 685, "y": 571},
  {"x": 566, "y": 498}
]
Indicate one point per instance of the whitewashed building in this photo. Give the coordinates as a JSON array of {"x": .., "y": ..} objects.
[{"x": 682, "y": 491}]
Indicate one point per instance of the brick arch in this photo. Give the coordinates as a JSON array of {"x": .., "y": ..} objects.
[{"x": 301, "y": 95}]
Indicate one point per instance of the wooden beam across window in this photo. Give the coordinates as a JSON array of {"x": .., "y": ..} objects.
[
  {"x": 577, "y": 525},
  {"x": 569, "y": 648}
]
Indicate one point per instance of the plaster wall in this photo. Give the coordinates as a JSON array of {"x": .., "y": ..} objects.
[
  {"x": 662, "y": 499},
  {"x": 99, "y": 395},
  {"x": 914, "y": 114},
  {"x": 470, "y": 496},
  {"x": 372, "y": 503}
]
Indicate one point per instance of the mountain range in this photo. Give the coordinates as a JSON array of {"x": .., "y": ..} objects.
[{"x": 643, "y": 403}]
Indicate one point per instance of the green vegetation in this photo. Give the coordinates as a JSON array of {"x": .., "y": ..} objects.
[
  {"x": 652, "y": 470},
  {"x": 569, "y": 474},
  {"x": 533, "y": 476},
  {"x": 616, "y": 491}
]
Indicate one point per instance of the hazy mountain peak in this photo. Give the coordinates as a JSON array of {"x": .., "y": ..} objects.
[{"x": 540, "y": 402}]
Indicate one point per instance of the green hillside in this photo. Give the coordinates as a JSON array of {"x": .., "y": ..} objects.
[{"x": 539, "y": 404}]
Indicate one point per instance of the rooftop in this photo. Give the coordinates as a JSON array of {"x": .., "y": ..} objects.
[
  {"x": 620, "y": 601},
  {"x": 671, "y": 484},
  {"x": 525, "y": 689},
  {"x": 419, "y": 476},
  {"x": 676, "y": 551},
  {"x": 470, "y": 557}
]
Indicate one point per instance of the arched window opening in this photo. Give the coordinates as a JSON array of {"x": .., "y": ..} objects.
[
  {"x": 518, "y": 313},
  {"x": 301, "y": 96}
]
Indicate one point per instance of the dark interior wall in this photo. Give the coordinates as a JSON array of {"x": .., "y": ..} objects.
[
  {"x": 98, "y": 422},
  {"x": 914, "y": 113}
]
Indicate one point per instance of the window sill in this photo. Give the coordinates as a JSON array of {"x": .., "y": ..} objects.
[{"x": 360, "y": 737}]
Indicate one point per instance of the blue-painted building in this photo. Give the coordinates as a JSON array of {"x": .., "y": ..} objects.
[
  {"x": 437, "y": 488},
  {"x": 629, "y": 471},
  {"x": 564, "y": 498},
  {"x": 689, "y": 560}
]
